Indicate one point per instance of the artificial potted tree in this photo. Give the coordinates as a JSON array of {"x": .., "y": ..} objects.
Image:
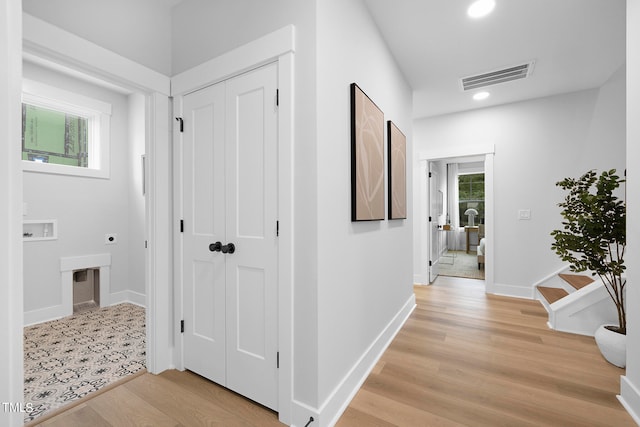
[{"x": 593, "y": 239}]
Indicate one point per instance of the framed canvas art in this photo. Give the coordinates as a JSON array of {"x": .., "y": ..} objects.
[
  {"x": 367, "y": 158},
  {"x": 397, "y": 146}
]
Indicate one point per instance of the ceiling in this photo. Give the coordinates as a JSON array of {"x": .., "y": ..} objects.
[{"x": 576, "y": 45}]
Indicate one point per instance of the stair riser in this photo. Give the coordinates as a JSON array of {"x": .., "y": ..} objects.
[{"x": 543, "y": 301}]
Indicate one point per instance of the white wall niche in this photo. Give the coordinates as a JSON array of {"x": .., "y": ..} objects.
[{"x": 39, "y": 229}]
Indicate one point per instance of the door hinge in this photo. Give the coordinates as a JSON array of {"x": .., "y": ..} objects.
[
  {"x": 182, "y": 326},
  {"x": 182, "y": 225},
  {"x": 429, "y": 219},
  {"x": 277, "y": 228},
  {"x": 430, "y": 264},
  {"x": 277, "y": 97},
  {"x": 429, "y": 174},
  {"x": 145, "y": 244},
  {"x": 278, "y": 360},
  {"x": 179, "y": 119}
]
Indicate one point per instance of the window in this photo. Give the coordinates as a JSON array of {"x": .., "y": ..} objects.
[
  {"x": 51, "y": 136},
  {"x": 64, "y": 132},
  {"x": 471, "y": 195}
]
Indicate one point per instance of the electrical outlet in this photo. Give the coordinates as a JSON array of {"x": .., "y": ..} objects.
[{"x": 110, "y": 239}]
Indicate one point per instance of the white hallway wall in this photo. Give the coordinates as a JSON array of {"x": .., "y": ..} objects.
[
  {"x": 85, "y": 208},
  {"x": 537, "y": 143},
  {"x": 631, "y": 381},
  {"x": 364, "y": 268}
]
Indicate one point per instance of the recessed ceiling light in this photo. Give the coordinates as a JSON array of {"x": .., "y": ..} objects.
[
  {"x": 481, "y": 8},
  {"x": 480, "y": 96}
]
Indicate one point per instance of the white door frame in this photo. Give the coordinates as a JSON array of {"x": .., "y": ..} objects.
[
  {"x": 434, "y": 262},
  {"x": 75, "y": 54},
  {"x": 11, "y": 299},
  {"x": 277, "y": 46},
  {"x": 487, "y": 151}
]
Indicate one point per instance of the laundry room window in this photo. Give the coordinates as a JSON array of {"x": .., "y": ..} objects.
[{"x": 64, "y": 132}]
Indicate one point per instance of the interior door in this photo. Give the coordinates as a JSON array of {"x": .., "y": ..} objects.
[
  {"x": 251, "y": 272},
  {"x": 434, "y": 230},
  {"x": 204, "y": 272},
  {"x": 230, "y": 234}
]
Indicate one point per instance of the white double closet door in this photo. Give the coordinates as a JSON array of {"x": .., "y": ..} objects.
[{"x": 230, "y": 172}]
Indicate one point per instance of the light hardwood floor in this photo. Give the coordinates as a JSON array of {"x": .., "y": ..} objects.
[{"x": 462, "y": 359}]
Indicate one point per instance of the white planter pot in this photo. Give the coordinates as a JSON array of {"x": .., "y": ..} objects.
[{"x": 612, "y": 345}]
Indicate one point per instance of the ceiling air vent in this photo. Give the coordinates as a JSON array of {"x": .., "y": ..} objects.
[{"x": 498, "y": 76}]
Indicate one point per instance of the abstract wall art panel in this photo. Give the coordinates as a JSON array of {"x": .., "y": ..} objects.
[
  {"x": 367, "y": 158},
  {"x": 397, "y": 144}
]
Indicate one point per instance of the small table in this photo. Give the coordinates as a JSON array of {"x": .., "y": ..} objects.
[{"x": 468, "y": 230}]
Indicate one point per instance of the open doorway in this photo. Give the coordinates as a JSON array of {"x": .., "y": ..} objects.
[
  {"x": 460, "y": 228},
  {"x": 74, "y": 54},
  {"x": 447, "y": 241},
  {"x": 84, "y": 236}
]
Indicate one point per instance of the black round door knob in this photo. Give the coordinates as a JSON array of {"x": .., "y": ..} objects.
[
  {"x": 229, "y": 248},
  {"x": 215, "y": 247}
]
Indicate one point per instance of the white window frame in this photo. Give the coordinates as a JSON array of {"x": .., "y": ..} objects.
[{"x": 98, "y": 114}]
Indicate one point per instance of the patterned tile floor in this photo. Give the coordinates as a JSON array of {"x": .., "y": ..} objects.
[{"x": 68, "y": 358}]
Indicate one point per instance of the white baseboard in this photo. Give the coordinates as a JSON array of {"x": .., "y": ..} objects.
[
  {"x": 420, "y": 279},
  {"x": 59, "y": 311},
  {"x": 128, "y": 296},
  {"x": 337, "y": 402},
  {"x": 302, "y": 413},
  {"x": 629, "y": 397},
  {"x": 44, "y": 315},
  {"x": 512, "y": 291}
]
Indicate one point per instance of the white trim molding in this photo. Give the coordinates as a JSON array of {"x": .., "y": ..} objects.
[
  {"x": 128, "y": 296},
  {"x": 158, "y": 283},
  {"x": 438, "y": 153},
  {"x": 629, "y": 397},
  {"x": 11, "y": 263},
  {"x": 251, "y": 55},
  {"x": 526, "y": 292},
  {"x": 50, "y": 42}
]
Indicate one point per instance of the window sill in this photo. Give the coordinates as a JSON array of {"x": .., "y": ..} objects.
[{"x": 50, "y": 168}]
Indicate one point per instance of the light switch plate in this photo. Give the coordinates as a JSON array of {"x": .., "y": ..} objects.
[{"x": 524, "y": 214}]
